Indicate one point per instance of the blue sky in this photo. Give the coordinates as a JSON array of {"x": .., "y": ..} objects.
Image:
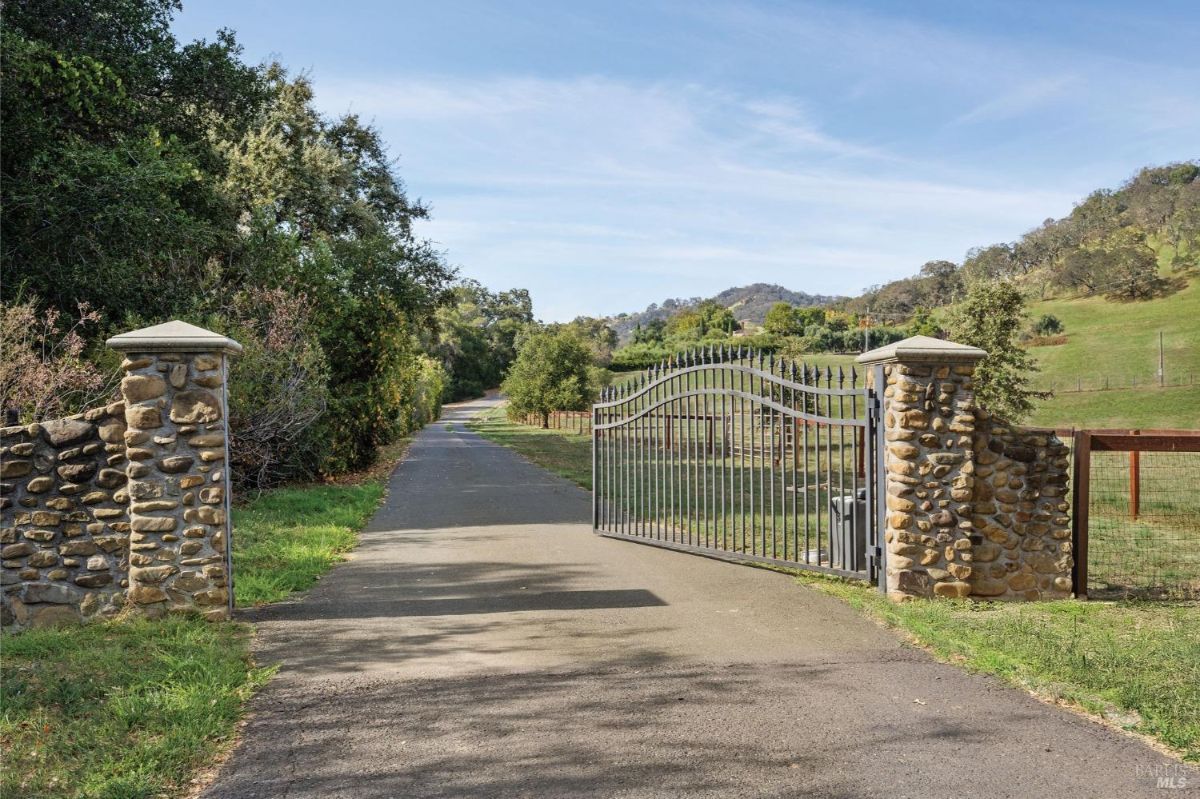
[{"x": 610, "y": 154}]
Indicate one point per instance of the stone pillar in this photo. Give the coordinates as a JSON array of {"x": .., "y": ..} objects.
[
  {"x": 177, "y": 450},
  {"x": 929, "y": 462}
]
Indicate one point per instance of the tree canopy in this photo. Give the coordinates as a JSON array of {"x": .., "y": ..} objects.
[
  {"x": 152, "y": 178},
  {"x": 991, "y": 318},
  {"x": 552, "y": 372}
]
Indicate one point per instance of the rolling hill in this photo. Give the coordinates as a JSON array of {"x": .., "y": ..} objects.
[
  {"x": 748, "y": 303},
  {"x": 1111, "y": 352}
]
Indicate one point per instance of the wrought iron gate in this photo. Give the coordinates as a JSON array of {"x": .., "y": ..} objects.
[{"x": 735, "y": 454}]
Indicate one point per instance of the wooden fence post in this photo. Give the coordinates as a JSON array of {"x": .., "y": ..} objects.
[
  {"x": 1135, "y": 480},
  {"x": 1079, "y": 527}
]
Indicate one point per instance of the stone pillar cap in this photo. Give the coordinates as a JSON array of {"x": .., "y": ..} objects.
[
  {"x": 924, "y": 349},
  {"x": 174, "y": 336}
]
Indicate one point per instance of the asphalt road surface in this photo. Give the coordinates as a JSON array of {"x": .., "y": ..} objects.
[{"x": 482, "y": 642}]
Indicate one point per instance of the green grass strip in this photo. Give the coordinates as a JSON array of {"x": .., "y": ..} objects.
[
  {"x": 562, "y": 452},
  {"x": 120, "y": 710},
  {"x": 284, "y": 540}
]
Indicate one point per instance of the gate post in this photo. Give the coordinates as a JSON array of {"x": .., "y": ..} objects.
[
  {"x": 178, "y": 453},
  {"x": 928, "y": 409}
]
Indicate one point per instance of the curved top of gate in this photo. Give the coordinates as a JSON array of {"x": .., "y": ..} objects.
[{"x": 729, "y": 360}]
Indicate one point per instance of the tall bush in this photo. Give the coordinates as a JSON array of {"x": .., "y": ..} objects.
[
  {"x": 278, "y": 388},
  {"x": 42, "y": 370},
  {"x": 991, "y": 318}
]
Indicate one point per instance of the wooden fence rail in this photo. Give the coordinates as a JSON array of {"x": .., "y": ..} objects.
[{"x": 1134, "y": 442}]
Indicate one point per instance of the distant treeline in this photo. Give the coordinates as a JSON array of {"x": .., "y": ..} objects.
[
  {"x": 1135, "y": 243},
  {"x": 786, "y": 329}
]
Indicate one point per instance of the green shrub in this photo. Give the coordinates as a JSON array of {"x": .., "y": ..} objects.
[
  {"x": 278, "y": 388},
  {"x": 552, "y": 373},
  {"x": 1047, "y": 325}
]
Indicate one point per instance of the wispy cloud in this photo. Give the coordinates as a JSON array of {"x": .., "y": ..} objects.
[
  {"x": 672, "y": 188},
  {"x": 1020, "y": 101},
  {"x": 818, "y": 146}
]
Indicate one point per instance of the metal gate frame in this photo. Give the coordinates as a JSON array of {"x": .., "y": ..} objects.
[{"x": 659, "y": 478}]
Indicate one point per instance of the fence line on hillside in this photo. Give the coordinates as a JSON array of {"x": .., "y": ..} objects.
[{"x": 1113, "y": 382}]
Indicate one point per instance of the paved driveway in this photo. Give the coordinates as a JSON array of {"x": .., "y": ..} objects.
[{"x": 482, "y": 642}]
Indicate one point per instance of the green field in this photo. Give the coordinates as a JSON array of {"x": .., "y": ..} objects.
[
  {"x": 1116, "y": 344},
  {"x": 1157, "y": 552}
]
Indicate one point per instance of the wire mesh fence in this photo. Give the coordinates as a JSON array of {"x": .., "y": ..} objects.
[
  {"x": 1143, "y": 522},
  {"x": 1107, "y": 382}
]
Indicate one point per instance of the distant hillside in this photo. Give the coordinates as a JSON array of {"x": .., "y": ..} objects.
[
  {"x": 1111, "y": 353},
  {"x": 748, "y": 303},
  {"x": 1134, "y": 243}
]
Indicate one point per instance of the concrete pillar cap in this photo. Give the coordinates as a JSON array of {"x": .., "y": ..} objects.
[
  {"x": 174, "y": 336},
  {"x": 923, "y": 349}
]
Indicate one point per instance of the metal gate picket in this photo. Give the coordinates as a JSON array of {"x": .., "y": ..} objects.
[{"x": 736, "y": 454}]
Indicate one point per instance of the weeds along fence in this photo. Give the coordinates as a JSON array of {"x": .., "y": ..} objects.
[{"x": 1137, "y": 513}]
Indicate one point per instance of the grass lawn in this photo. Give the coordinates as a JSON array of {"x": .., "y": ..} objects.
[
  {"x": 122, "y": 709},
  {"x": 560, "y": 451},
  {"x": 284, "y": 540},
  {"x": 1119, "y": 341},
  {"x": 1135, "y": 663},
  {"x": 129, "y": 709}
]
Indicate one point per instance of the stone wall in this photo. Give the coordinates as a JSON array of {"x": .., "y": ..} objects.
[
  {"x": 974, "y": 507},
  {"x": 64, "y": 534},
  {"x": 125, "y": 505},
  {"x": 177, "y": 452},
  {"x": 1022, "y": 519}
]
